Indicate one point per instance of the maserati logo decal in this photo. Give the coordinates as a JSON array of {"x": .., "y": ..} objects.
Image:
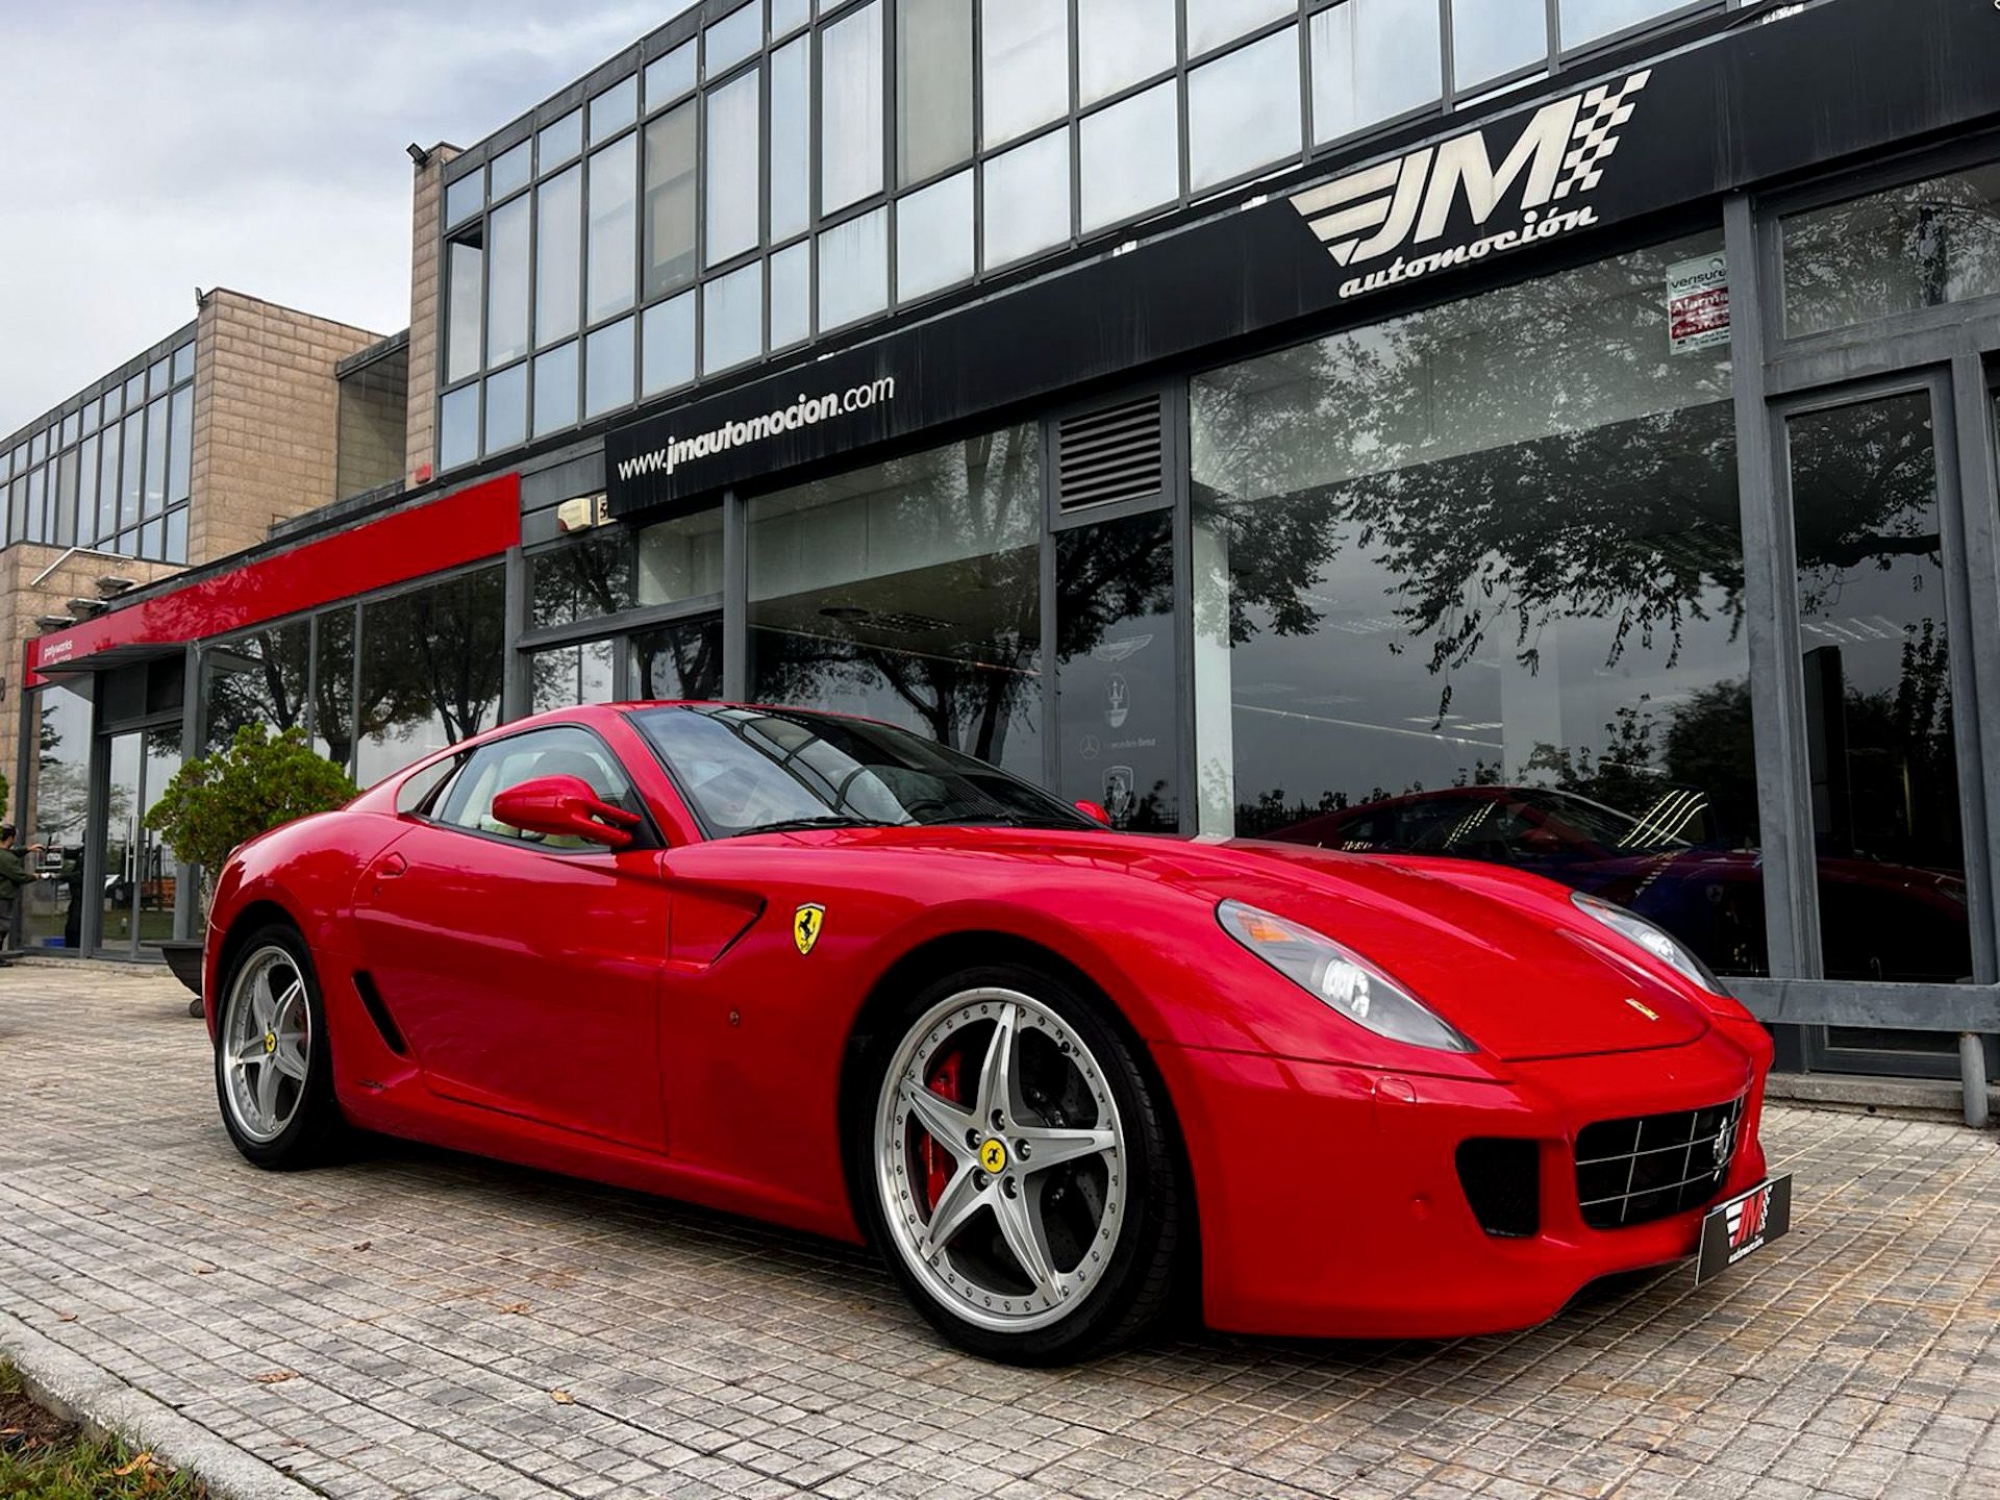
[
  {"x": 1408, "y": 202},
  {"x": 806, "y": 923}
]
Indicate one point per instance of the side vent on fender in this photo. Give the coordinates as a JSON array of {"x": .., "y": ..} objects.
[{"x": 371, "y": 1001}]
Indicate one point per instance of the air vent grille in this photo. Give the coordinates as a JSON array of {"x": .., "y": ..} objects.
[{"x": 1110, "y": 455}]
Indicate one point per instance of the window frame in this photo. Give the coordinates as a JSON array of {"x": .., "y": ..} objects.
[{"x": 646, "y": 836}]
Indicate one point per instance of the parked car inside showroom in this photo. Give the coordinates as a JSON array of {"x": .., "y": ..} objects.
[{"x": 826, "y": 973}]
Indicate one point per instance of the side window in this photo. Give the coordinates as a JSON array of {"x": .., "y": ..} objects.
[
  {"x": 416, "y": 792},
  {"x": 492, "y": 769}
]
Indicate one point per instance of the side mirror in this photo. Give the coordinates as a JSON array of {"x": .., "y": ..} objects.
[
  {"x": 1094, "y": 811},
  {"x": 565, "y": 807}
]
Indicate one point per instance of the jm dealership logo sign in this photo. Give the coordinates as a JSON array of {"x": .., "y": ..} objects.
[{"x": 1403, "y": 207}]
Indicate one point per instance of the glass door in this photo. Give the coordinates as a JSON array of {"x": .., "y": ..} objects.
[
  {"x": 1885, "y": 680},
  {"x": 138, "y": 881}
]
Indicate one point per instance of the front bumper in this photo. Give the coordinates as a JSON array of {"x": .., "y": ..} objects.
[{"x": 1331, "y": 1204}]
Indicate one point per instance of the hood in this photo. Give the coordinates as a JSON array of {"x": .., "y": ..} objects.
[{"x": 1503, "y": 956}]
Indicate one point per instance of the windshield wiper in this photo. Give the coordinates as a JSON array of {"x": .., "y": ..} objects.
[{"x": 794, "y": 825}]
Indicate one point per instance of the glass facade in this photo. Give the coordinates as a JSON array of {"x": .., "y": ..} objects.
[
  {"x": 112, "y": 473},
  {"x": 773, "y": 173},
  {"x": 1470, "y": 582}
]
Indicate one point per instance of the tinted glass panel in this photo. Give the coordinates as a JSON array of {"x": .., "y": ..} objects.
[
  {"x": 1493, "y": 37},
  {"x": 558, "y": 256},
  {"x": 156, "y": 458},
  {"x": 256, "y": 679},
  {"x": 57, "y": 818},
  {"x": 561, "y": 140},
  {"x": 1373, "y": 60},
  {"x": 131, "y": 489},
  {"x": 1027, "y": 199},
  {"x": 1243, "y": 110},
  {"x": 1882, "y": 751},
  {"x": 791, "y": 296},
  {"x": 732, "y": 180},
  {"x": 1470, "y": 582},
  {"x": 458, "y": 427},
  {"x": 850, "y": 109},
  {"x": 934, "y": 237},
  {"x": 910, "y": 591},
  {"x": 732, "y": 318},
  {"x": 788, "y": 15},
  {"x": 509, "y": 170},
  {"x": 670, "y": 201},
  {"x": 1131, "y": 156},
  {"x": 1210, "y": 23},
  {"x": 678, "y": 661},
  {"x": 569, "y": 675},
  {"x": 670, "y": 76},
  {"x": 180, "y": 444},
  {"x": 1025, "y": 66},
  {"x": 507, "y": 408},
  {"x": 854, "y": 269},
  {"x": 933, "y": 86},
  {"x": 607, "y": 373},
  {"x": 463, "y": 198},
  {"x": 333, "y": 687},
  {"x": 1117, "y": 683},
  {"x": 791, "y": 138},
  {"x": 555, "y": 389},
  {"x": 613, "y": 109},
  {"x": 107, "y": 483},
  {"x": 1120, "y": 42},
  {"x": 1587, "y": 20},
  {"x": 465, "y": 269},
  {"x": 184, "y": 363},
  {"x": 507, "y": 283},
  {"x": 1923, "y": 245},
  {"x": 431, "y": 668},
  {"x": 734, "y": 38},
  {"x": 669, "y": 345},
  {"x": 613, "y": 187},
  {"x": 681, "y": 559},
  {"x": 580, "y": 580}
]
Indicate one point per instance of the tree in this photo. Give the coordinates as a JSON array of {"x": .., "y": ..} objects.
[{"x": 256, "y": 783}]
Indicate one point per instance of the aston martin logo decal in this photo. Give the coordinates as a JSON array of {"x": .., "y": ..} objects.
[{"x": 806, "y": 923}]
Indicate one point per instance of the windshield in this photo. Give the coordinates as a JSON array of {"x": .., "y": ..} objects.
[{"x": 759, "y": 770}]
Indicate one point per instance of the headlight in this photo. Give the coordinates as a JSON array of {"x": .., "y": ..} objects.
[
  {"x": 1656, "y": 941},
  {"x": 1339, "y": 977}
]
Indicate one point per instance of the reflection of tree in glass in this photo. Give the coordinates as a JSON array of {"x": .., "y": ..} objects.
[
  {"x": 1920, "y": 245},
  {"x": 436, "y": 654},
  {"x": 681, "y": 661},
  {"x": 260, "y": 679},
  {"x": 582, "y": 580},
  {"x": 970, "y": 682}
]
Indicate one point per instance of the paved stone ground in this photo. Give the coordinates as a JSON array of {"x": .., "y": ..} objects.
[{"x": 402, "y": 1325}]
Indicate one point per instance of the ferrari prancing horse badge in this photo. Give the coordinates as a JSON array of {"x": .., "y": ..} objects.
[{"x": 806, "y": 923}]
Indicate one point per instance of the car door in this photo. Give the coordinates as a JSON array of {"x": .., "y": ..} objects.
[{"x": 525, "y": 972}]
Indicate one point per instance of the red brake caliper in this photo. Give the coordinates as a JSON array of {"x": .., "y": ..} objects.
[{"x": 944, "y": 1082}]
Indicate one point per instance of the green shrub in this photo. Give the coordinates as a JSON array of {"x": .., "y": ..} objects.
[{"x": 256, "y": 782}]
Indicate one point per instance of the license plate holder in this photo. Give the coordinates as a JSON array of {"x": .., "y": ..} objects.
[{"x": 1742, "y": 1226}]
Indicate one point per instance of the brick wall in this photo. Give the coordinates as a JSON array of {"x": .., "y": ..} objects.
[
  {"x": 426, "y": 311},
  {"x": 266, "y": 418},
  {"x": 22, "y": 602}
]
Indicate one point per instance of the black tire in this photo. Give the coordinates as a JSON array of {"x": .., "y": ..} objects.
[
  {"x": 314, "y": 1124},
  {"x": 1139, "y": 1283}
]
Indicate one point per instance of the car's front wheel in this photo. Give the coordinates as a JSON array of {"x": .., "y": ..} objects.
[
  {"x": 273, "y": 1068},
  {"x": 1021, "y": 1175}
]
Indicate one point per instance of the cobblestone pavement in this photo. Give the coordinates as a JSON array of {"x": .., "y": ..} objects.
[{"x": 417, "y": 1323}]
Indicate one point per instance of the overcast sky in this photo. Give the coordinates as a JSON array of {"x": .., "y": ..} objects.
[{"x": 152, "y": 146}]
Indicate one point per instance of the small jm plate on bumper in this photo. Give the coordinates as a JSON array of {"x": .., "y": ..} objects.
[{"x": 1745, "y": 1224}]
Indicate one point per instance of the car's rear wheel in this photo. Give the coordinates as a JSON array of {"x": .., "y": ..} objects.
[
  {"x": 1021, "y": 1174},
  {"x": 273, "y": 1069}
]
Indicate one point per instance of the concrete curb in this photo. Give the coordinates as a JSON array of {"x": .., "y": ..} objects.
[{"x": 73, "y": 1387}]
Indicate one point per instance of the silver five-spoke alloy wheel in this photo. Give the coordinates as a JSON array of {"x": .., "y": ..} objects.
[
  {"x": 999, "y": 1157},
  {"x": 266, "y": 1044}
]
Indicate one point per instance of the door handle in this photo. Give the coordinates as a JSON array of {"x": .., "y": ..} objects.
[{"x": 390, "y": 866}]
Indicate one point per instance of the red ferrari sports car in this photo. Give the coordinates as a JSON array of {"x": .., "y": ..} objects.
[{"x": 826, "y": 973}]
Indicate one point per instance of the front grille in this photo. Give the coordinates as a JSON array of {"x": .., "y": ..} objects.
[
  {"x": 1653, "y": 1166},
  {"x": 1502, "y": 1180}
]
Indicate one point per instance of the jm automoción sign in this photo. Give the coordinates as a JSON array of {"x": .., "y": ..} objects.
[{"x": 1410, "y": 201}]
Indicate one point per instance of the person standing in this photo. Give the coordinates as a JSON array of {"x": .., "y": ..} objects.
[{"x": 15, "y": 877}]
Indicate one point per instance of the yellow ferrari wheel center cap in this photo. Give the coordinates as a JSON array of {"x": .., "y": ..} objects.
[
  {"x": 993, "y": 1156},
  {"x": 270, "y": 1041}
]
